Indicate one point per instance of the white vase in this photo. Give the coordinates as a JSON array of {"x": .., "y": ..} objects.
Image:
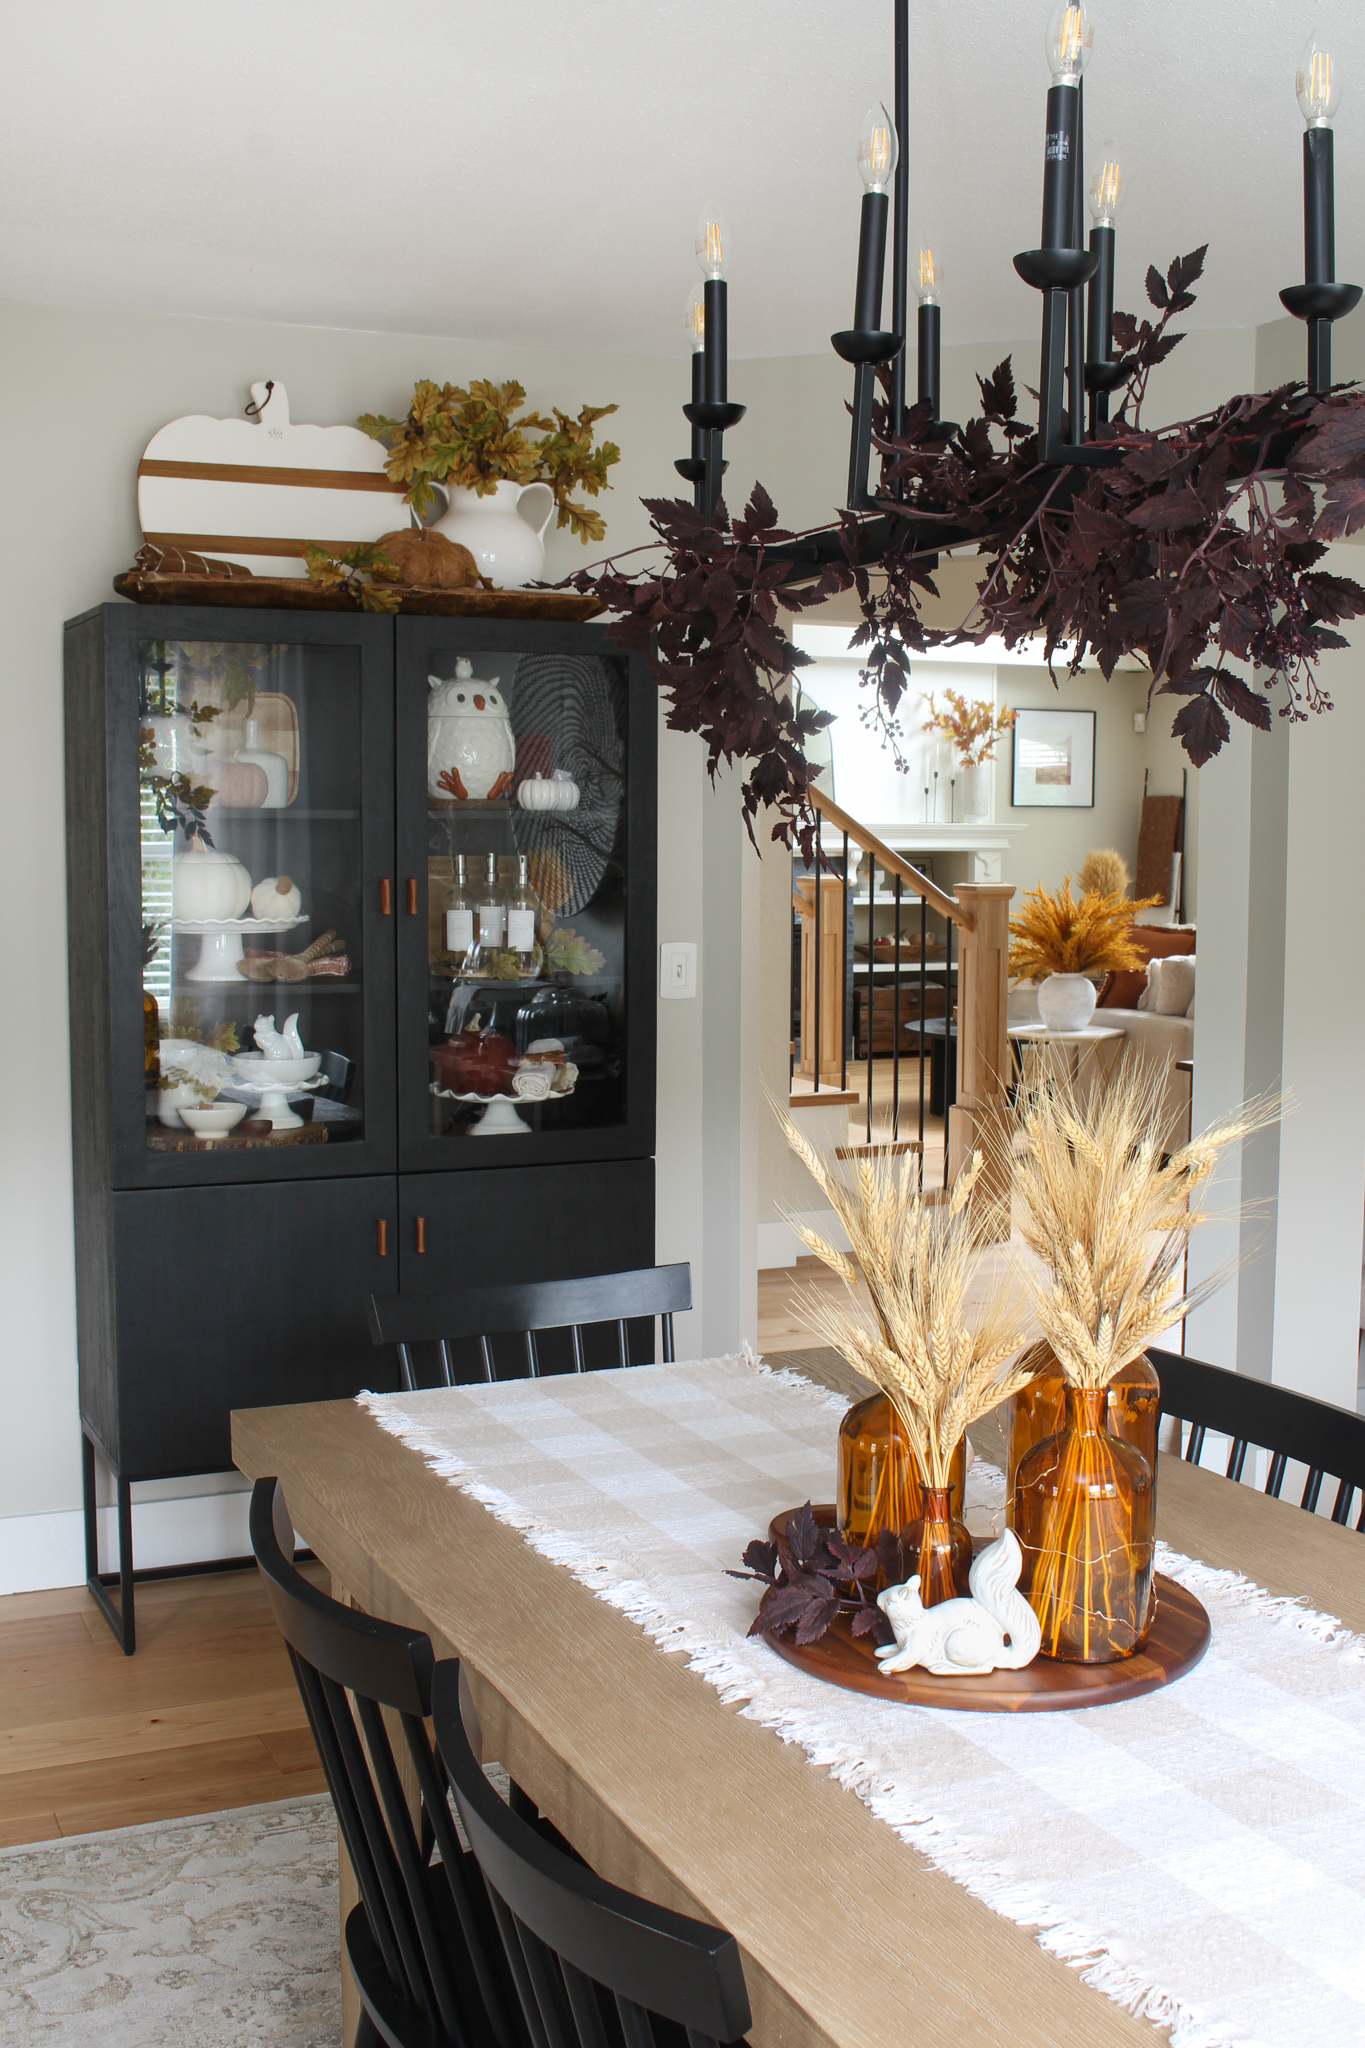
[
  {"x": 1066, "y": 1002},
  {"x": 974, "y": 792},
  {"x": 508, "y": 549}
]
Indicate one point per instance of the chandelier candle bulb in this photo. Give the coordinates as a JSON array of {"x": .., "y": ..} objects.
[{"x": 1105, "y": 196}]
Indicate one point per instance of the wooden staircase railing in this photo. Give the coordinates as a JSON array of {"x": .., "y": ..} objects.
[{"x": 979, "y": 913}]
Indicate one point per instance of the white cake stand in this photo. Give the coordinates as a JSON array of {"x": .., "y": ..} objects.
[
  {"x": 273, "y": 1098},
  {"x": 221, "y": 937},
  {"x": 500, "y": 1119}
]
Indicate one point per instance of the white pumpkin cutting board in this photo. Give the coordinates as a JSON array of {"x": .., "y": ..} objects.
[{"x": 257, "y": 491}]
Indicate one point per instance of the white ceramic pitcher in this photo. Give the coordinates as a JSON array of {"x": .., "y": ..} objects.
[{"x": 507, "y": 548}]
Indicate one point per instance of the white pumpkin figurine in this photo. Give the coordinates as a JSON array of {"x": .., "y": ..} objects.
[
  {"x": 557, "y": 792},
  {"x": 470, "y": 749},
  {"x": 275, "y": 897},
  {"x": 208, "y": 886}
]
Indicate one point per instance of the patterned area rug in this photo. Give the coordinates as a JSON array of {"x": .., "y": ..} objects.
[{"x": 215, "y": 1932}]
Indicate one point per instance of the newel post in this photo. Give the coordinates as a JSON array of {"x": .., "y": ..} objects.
[{"x": 983, "y": 1050}]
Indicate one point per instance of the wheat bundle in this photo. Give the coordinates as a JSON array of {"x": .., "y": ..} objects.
[
  {"x": 906, "y": 1324},
  {"x": 1110, "y": 1216}
]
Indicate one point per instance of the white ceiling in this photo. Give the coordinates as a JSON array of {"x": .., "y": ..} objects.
[{"x": 532, "y": 169}]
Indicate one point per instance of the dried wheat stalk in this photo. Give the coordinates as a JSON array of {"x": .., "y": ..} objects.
[
  {"x": 1107, "y": 1219},
  {"x": 904, "y": 1325}
]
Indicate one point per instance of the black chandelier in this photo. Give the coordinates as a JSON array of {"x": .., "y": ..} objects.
[{"x": 1079, "y": 369}]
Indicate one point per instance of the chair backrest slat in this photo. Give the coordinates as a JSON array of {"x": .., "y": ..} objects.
[
  {"x": 547, "y": 1986},
  {"x": 411, "y": 1864},
  {"x": 516, "y": 1967},
  {"x": 1289, "y": 1425},
  {"x": 583, "y": 2005},
  {"x": 576, "y": 1335},
  {"x": 680, "y": 1969},
  {"x": 636, "y": 2030},
  {"x": 353, "y": 1830},
  {"x": 381, "y": 1848}
]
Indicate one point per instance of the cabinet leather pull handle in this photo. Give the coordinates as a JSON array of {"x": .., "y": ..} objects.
[
  {"x": 385, "y": 898},
  {"x": 381, "y": 1238},
  {"x": 412, "y": 896},
  {"x": 421, "y": 1233}
]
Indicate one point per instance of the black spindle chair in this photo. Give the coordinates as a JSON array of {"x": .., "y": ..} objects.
[
  {"x": 485, "y": 1312},
  {"x": 594, "y": 1967},
  {"x": 1328, "y": 1440},
  {"x": 423, "y": 1946}
]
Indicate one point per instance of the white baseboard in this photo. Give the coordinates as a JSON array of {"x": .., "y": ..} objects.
[
  {"x": 779, "y": 1245},
  {"x": 38, "y": 1552}
]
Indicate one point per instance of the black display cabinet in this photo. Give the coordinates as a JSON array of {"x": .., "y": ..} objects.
[{"x": 277, "y": 1103}]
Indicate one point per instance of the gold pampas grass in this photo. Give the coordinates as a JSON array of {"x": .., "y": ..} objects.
[
  {"x": 1110, "y": 1221},
  {"x": 1104, "y": 872},
  {"x": 905, "y": 1324},
  {"x": 1061, "y": 934}
]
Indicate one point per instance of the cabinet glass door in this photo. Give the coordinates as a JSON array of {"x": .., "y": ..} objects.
[
  {"x": 521, "y": 836},
  {"x": 256, "y": 962}
]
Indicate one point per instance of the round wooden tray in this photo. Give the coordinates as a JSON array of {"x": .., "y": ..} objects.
[{"x": 1180, "y": 1635}]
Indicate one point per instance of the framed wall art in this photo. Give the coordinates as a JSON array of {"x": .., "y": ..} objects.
[{"x": 1054, "y": 760}]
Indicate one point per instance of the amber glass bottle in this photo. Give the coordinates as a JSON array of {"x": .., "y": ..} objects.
[
  {"x": 878, "y": 1484},
  {"x": 1134, "y": 1409},
  {"x": 938, "y": 1547},
  {"x": 1083, "y": 1517}
]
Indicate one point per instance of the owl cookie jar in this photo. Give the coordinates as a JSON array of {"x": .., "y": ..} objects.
[{"x": 470, "y": 749}]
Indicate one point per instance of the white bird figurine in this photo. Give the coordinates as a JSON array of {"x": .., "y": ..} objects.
[
  {"x": 995, "y": 1630},
  {"x": 279, "y": 1045}
]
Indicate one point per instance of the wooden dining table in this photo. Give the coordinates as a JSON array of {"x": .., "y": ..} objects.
[{"x": 850, "y": 1938}]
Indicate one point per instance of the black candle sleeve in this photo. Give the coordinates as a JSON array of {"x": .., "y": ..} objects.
[
  {"x": 1059, "y": 163},
  {"x": 1319, "y": 224},
  {"x": 867, "y": 305},
  {"x": 717, "y": 342}
]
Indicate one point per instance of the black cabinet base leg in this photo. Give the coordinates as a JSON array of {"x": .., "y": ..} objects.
[{"x": 121, "y": 1619}]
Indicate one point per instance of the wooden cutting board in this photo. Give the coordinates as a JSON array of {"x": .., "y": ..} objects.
[{"x": 258, "y": 490}]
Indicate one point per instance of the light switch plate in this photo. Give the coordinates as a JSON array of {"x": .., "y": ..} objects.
[
  {"x": 677, "y": 969},
  {"x": 1139, "y": 721}
]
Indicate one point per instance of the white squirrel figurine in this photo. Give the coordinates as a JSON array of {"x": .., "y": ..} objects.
[
  {"x": 995, "y": 1630},
  {"x": 279, "y": 1045}
]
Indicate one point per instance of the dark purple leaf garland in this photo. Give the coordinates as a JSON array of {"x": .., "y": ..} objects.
[
  {"x": 1199, "y": 545},
  {"x": 812, "y": 1576}
]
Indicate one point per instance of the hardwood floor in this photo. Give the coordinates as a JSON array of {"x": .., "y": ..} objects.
[{"x": 206, "y": 1715}]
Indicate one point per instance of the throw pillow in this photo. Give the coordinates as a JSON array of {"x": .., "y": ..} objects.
[
  {"x": 1175, "y": 985},
  {"x": 1123, "y": 986},
  {"x": 1147, "y": 1000}
]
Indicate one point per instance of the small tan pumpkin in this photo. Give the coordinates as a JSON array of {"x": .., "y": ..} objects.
[{"x": 429, "y": 561}]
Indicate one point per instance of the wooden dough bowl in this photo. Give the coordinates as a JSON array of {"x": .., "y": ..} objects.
[
  {"x": 1180, "y": 1635},
  {"x": 296, "y": 593}
]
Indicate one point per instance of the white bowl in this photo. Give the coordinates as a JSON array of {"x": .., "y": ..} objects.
[
  {"x": 213, "y": 1119},
  {"x": 277, "y": 1073}
]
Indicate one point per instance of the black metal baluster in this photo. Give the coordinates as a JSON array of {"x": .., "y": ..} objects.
[
  {"x": 818, "y": 894},
  {"x": 844, "y": 977},
  {"x": 947, "y": 1046},
  {"x": 896, "y": 1028},
  {"x": 923, "y": 1018},
  {"x": 871, "y": 980}
]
